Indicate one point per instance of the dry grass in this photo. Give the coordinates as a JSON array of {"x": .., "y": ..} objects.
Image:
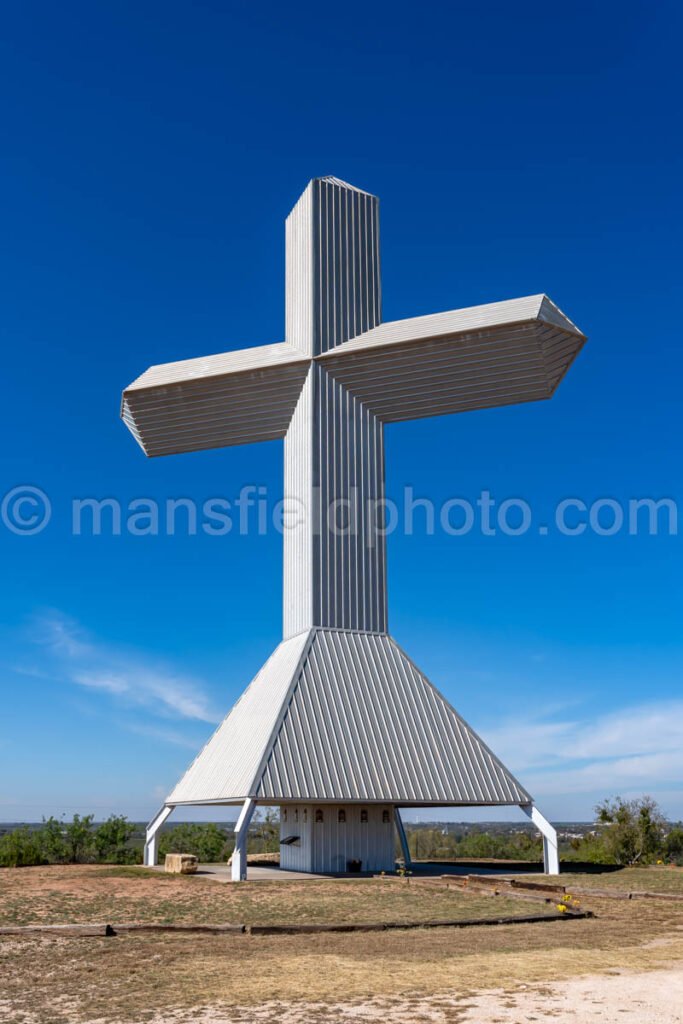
[
  {"x": 654, "y": 878},
  {"x": 169, "y": 978},
  {"x": 58, "y": 895}
]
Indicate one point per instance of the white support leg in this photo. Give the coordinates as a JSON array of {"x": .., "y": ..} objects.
[
  {"x": 150, "y": 857},
  {"x": 551, "y": 859},
  {"x": 402, "y": 837},
  {"x": 239, "y": 854}
]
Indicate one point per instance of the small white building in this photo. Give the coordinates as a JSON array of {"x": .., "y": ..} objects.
[{"x": 336, "y": 838}]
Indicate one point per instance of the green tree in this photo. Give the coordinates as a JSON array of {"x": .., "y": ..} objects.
[
  {"x": 20, "y": 849},
  {"x": 52, "y": 841},
  {"x": 206, "y": 841},
  {"x": 673, "y": 844},
  {"x": 67, "y": 842},
  {"x": 79, "y": 839},
  {"x": 111, "y": 841},
  {"x": 633, "y": 830},
  {"x": 266, "y": 826}
]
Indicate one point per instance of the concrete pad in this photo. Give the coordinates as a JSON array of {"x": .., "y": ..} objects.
[{"x": 257, "y": 873}]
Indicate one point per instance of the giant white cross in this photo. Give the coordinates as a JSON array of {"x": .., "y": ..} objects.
[{"x": 340, "y": 375}]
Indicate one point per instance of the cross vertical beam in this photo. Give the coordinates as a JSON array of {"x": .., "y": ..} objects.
[
  {"x": 334, "y": 558},
  {"x": 333, "y": 289}
]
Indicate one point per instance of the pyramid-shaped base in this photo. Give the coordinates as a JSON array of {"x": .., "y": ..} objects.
[{"x": 342, "y": 717}]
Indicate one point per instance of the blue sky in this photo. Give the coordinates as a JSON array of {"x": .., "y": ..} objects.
[{"x": 151, "y": 153}]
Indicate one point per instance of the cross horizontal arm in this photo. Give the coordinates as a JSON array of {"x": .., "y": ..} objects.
[
  {"x": 496, "y": 354},
  {"x": 215, "y": 401}
]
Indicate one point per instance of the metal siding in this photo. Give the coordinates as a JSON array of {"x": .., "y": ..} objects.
[
  {"x": 334, "y": 843},
  {"x": 362, "y": 723},
  {"x": 334, "y": 460},
  {"x": 333, "y": 289},
  {"x": 298, "y": 577},
  {"x": 299, "y": 276},
  {"x": 432, "y": 376},
  {"x": 327, "y": 846},
  {"x": 296, "y": 858},
  {"x": 348, "y": 558},
  {"x": 463, "y": 321},
  {"x": 227, "y": 767},
  {"x": 235, "y": 398},
  {"x": 203, "y": 368},
  {"x": 345, "y": 716}
]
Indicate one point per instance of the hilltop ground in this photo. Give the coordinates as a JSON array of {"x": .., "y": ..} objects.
[{"x": 559, "y": 970}]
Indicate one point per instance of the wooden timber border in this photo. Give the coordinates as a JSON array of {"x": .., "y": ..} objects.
[
  {"x": 495, "y": 886},
  {"x": 92, "y": 930}
]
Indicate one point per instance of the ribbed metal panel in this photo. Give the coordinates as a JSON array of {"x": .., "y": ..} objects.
[
  {"x": 464, "y": 321},
  {"x": 346, "y": 262},
  {"x": 333, "y": 289},
  {"x": 334, "y": 560},
  {"x": 299, "y": 274},
  {"x": 296, "y": 822},
  {"x": 204, "y": 368},
  {"x": 234, "y": 398},
  {"x": 298, "y": 573},
  {"x": 363, "y": 724},
  {"x": 349, "y": 555},
  {"x": 325, "y": 843},
  {"x": 364, "y": 835},
  {"x": 228, "y": 766},
  {"x": 345, "y": 716},
  {"x": 432, "y": 365}
]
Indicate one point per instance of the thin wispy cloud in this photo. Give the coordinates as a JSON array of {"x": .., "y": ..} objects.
[
  {"x": 633, "y": 749},
  {"x": 156, "y": 732},
  {"x": 128, "y": 678}
]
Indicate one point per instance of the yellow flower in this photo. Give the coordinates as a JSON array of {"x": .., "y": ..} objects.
[{"x": 562, "y": 908}]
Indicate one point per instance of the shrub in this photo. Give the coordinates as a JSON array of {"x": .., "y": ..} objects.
[
  {"x": 207, "y": 842},
  {"x": 20, "y": 849},
  {"x": 111, "y": 841},
  {"x": 673, "y": 844},
  {"x": 433, "y": 844},
  {"x": 52, "y": 841},
  {"x": 520, "y": 846},
  {"x": 265, "y": 837},
  {"x": 633, "y": 830},
  {"x": 79, "y": 840},
  {"x": 73, "y": 842}
]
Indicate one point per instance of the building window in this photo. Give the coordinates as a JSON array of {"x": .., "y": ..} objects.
[
  {"x": 341, "y": 816},
  {"x": 364, "y": 816},
  {"x": 385, "y": 817},
  {"x": 296, "y": 814},
  {"x": 305, "y": 815},
  {"x": 318, "y": 817},
  {"x": 284, "y": 814}
]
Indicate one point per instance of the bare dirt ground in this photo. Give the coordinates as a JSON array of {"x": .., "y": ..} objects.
[
  {"x": 624, "y": 965},
  {"x": 619, "y": 998}
]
